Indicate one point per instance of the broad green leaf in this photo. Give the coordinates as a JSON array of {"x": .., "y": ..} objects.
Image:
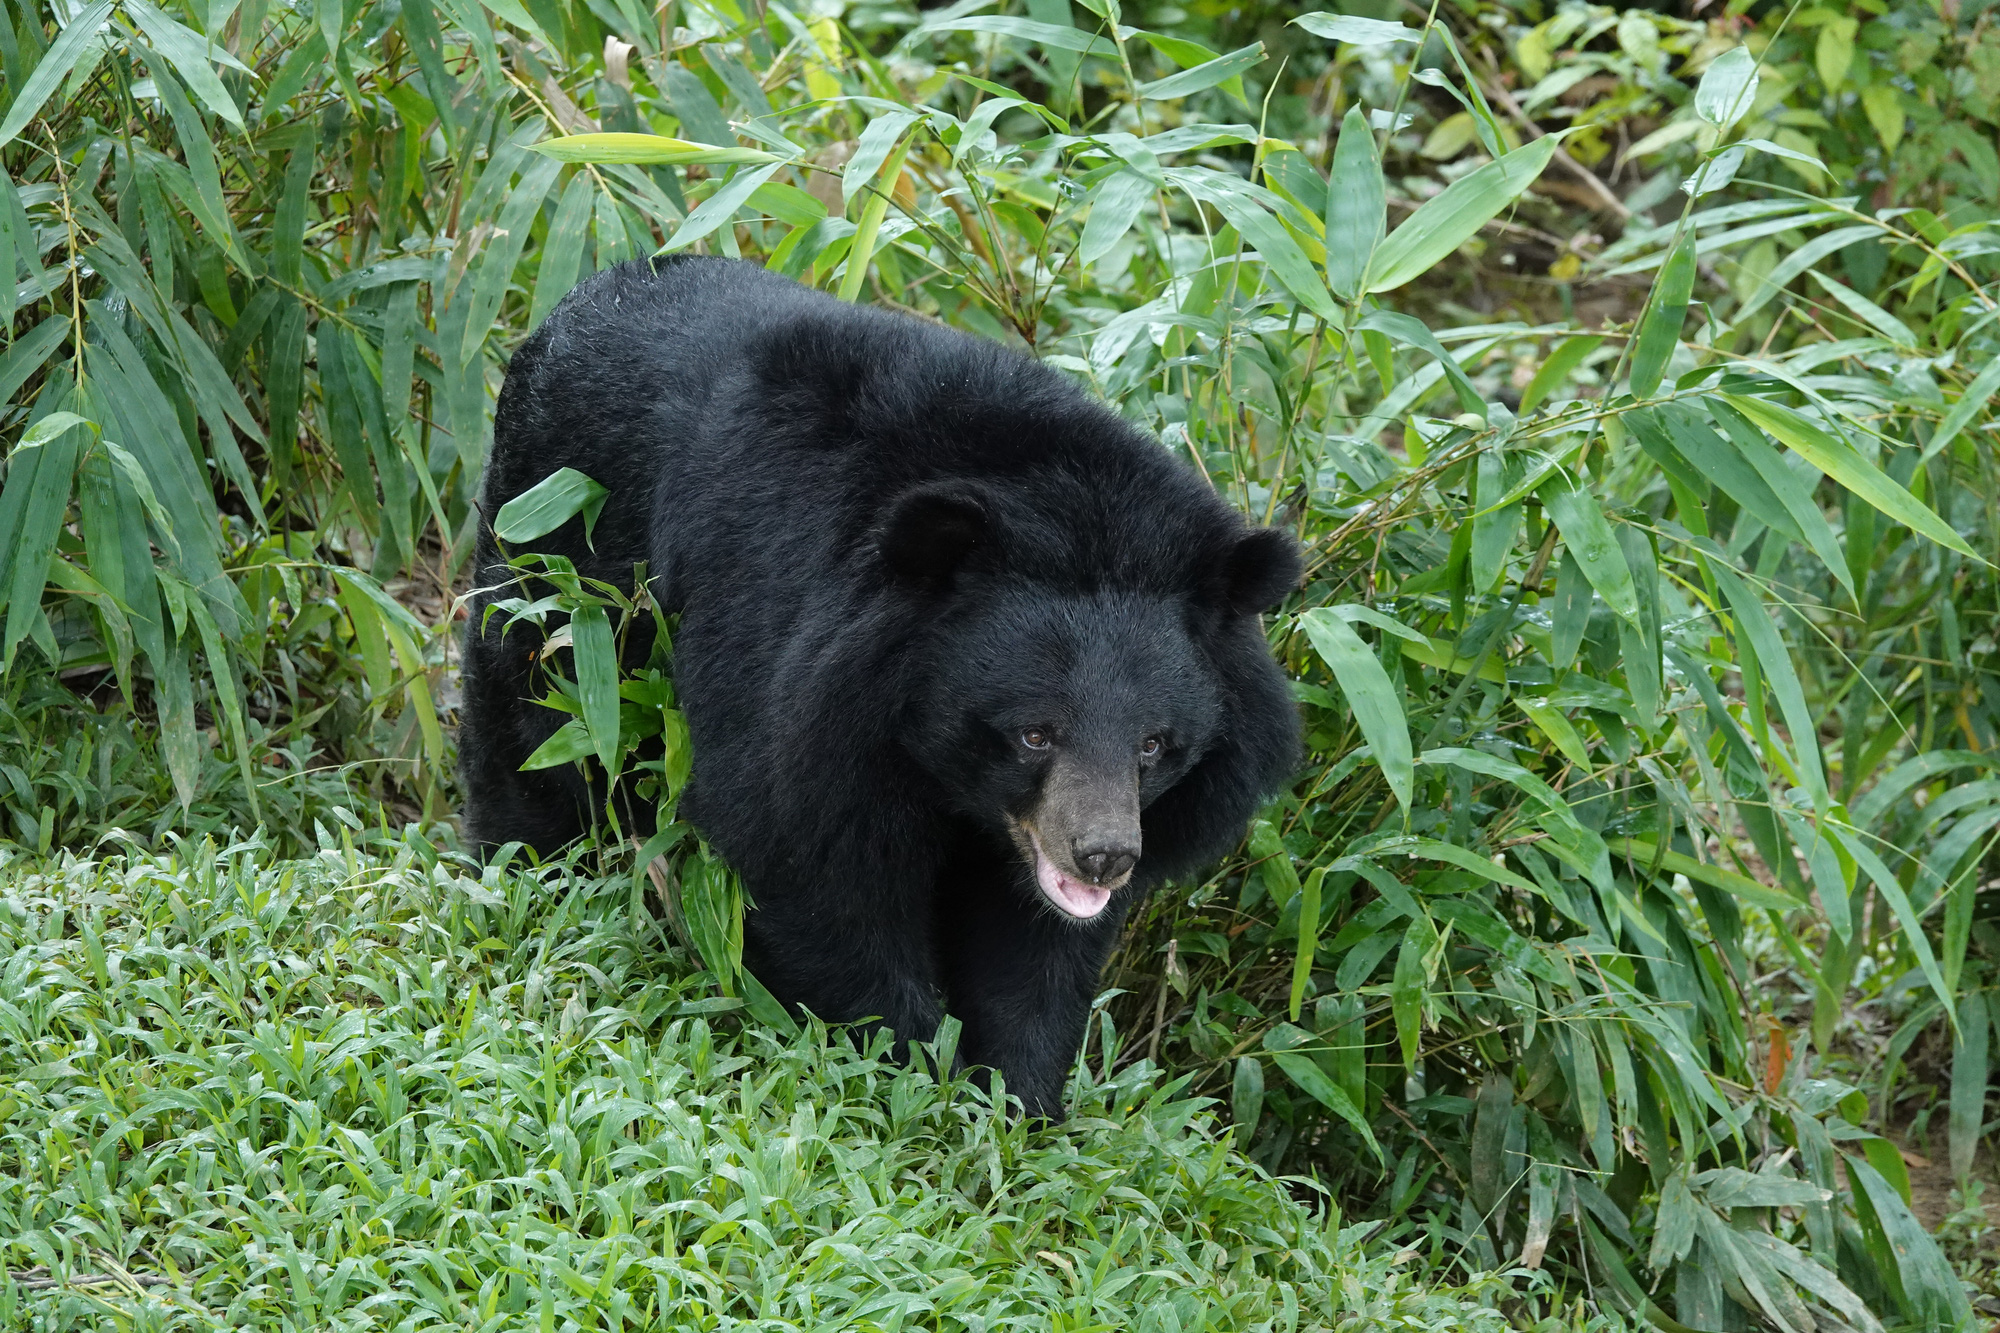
[
  {"x": 1660, "y": 328},
  {"x": 562, "y": 252},
  {"x": 1245, "y": 207},
  {"x": 191, "y": 54},
  {"x": 570, "y": 744},
  {"x": 1838, "y": 460},
  {"x": 1202, "y": 76},
  {"x": 1308, "y": 940},
  {"x": 1026, "y": 30},
  {"x": 1977, "y": 394},
  {"x": 1571, "y": 616},
  {"x": 1587, "y": 536},
  {"x": 1246, "y": 1095},
  {"x": 1357, "y": 31},
  {"x": 596, "y": 654},
  {"x": 61, "y": 57},
  {"x": 880, "y": 139},
  {"x": 548, "y": 504},
  {"x": 1758, "y": 635},
  {"x": 1883, "y": 104},
  {"x": 1566, "y": 358},
  {"x": 1378, "y": 710},
  {"x": 1317, "y": 1084},
  {"x": 1443, "y": 224},
  {"x": 1874, "y": 316},
  {"x": 1356, "y": 206},
  {"x": 1728, "y": 88},
  {"x": 1833, "y": 52},
  {"x": 1970, "y": 1074},
  {"x": 645, "y": 150},
  {"x": 1114, "y": 206}
]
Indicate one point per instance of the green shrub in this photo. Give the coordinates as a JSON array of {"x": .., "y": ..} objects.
[{"x": 369, "y": 1090}]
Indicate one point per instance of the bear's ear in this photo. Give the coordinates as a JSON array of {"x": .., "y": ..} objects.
[
  {"x": 1257, "y": 571},
  {"x": 931, "y": 530}
]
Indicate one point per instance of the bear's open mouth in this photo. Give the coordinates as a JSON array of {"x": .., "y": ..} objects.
[{"x": 1079, "y": 898}]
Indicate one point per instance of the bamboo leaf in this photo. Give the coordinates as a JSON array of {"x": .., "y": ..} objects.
[
  {"x": 1838, "y": 460},
  {"x": 1114, "y": 206},
  {"x": 1565, "y": 359},
  {"x": 1728, "y": 88},
  {"x": 1208, "y": 74},
  {"x": 1378, "y": 710},
  {"x": 645, "y": 150},
  {"x": 596, "y": 655},
  {"x": 1970, "y": 1074},
  {"x": 1660, "y": 328},
  {"x": 1970, "y": 403},
  {"x": 191, "y": 54},
  {"x": 1356, "y": 206},
  {"x": 1308, "y": 940},
  {"x": 721, "y": 206},
  {"x": 1358, "y": 31},
  {"x": 562, "y": 252},
  {"x": 1757, "y": 634},
  {"x": 1443, "y": 224},
  {"x": 1245, "y": 207},
  {"x": 550, "y": 503},
  {"x": 872, "y": 150},
  {"x": 1057, "y": 36},
  {"x": 1588, "y": 538},
  {"x": 55, "y": 65},
  {"x": 570, "y": 744}
]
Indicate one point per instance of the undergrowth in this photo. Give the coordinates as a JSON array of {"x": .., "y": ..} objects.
[{"x": 378, "y": 1089}]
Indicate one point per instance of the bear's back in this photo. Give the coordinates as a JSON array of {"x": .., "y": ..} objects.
[{"x": 778, "y": 423}]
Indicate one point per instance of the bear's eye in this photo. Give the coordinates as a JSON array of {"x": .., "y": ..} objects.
[
  {"x": 1150, "y": 747},
  {"x": 1035, "y": 738}
]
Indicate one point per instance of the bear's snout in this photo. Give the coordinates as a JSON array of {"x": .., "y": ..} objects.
[{"x": 1102, "y": 863}]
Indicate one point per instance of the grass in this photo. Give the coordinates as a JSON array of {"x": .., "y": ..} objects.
[{"x": 378, "y": 1089}]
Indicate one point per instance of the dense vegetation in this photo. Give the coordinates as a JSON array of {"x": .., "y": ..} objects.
[
  {"x": 427, "y": 1099},
  {"x": 1629, "y": 377}
]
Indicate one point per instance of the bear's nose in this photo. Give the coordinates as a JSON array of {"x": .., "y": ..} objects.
[{"x": 1105, "y": 863}]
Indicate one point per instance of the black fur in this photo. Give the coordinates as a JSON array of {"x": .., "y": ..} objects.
[{"x": 892, "y": 546}]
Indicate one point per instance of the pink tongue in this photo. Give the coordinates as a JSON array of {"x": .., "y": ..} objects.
[{"x": 1079, "y": 899}]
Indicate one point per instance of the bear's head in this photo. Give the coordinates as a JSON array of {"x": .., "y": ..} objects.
[{"x": 1054, "y": 705}]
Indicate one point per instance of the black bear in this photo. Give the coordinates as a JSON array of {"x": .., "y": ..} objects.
[{"x": 968, "y": 662}]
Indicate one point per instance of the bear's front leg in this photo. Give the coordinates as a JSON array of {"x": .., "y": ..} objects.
[
  {"x": 1020, "y": 976},
  {"x": 846, "y": 966}
]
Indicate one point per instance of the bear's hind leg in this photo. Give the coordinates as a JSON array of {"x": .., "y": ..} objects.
[{"x": 499, "y": 727}]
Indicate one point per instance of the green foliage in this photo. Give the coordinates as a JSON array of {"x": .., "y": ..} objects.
[
  {"x": 1637, "y": 652},
  {"x": 372, "y": 1090}
]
